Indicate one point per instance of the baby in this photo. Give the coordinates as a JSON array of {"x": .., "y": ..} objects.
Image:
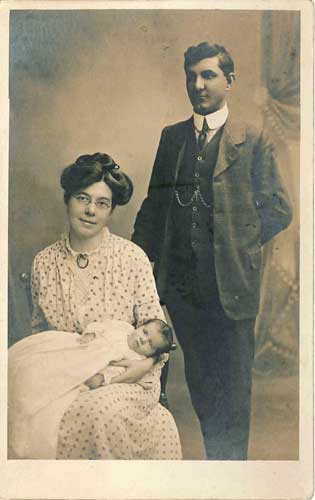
[
  {"x": 67, "y": 360},
  {"x": 152, "y": 338}
]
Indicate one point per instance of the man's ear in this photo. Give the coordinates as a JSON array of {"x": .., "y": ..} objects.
[{"x": 230, "y": 79}]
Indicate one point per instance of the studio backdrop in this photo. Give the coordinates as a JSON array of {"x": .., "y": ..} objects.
[{"x": 109, "y": 80}]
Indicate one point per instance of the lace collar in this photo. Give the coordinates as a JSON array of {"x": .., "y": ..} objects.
[{"x": 69, "y": 250}]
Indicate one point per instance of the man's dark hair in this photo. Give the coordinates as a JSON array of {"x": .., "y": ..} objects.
[
  {"x": 196, "y": 53},
  {"x": 167, "y": 334}
]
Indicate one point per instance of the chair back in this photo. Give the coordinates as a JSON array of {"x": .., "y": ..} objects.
[{"x": 25, "y": 280}]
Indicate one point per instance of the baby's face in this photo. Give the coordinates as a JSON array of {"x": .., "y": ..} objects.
[{"x": 146, "y": 339}]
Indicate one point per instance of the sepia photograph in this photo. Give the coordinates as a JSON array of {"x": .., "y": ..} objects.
[{"x": 157, "y": 284}]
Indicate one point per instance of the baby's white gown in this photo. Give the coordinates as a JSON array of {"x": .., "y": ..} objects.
[{"x": 46, "y": 372}]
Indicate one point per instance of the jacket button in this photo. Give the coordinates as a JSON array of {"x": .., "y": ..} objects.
[
  {"x": 199, "y": 158},
  {"x": 194, "y": 225},
  {"x": 194, "y": 209}
]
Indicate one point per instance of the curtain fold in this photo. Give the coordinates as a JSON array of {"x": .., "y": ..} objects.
[{"x": 277, "y": 326}]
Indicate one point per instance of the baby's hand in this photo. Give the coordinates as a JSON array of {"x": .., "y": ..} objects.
[
  {"x": 96, "y": 381},
  {"x": 87, "y": 337},
  {"x": 84, "y": 388}
]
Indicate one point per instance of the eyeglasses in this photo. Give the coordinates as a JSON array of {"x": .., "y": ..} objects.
[{"x": 85, "y": 200}]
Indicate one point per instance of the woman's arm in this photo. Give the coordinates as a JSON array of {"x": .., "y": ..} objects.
[
  {"x": 146, "y": 300},
  {"x": 145, "y": 306}
]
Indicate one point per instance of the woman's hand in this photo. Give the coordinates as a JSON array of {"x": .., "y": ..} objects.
[{"x": 135, "y": 370}]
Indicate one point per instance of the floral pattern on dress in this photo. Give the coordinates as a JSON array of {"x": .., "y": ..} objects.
[{"x": 121, "y": 421}]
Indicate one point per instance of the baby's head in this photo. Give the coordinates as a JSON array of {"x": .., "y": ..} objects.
[{"x": 152, "y": 338}]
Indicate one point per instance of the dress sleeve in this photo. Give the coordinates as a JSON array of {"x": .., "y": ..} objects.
[
  {"x": 147, "y": 306},
  {"x": 39, "y": 322},
  {"x": 146, "y": 299}
]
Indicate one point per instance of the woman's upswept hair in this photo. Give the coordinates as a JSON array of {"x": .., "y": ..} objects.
[
  {"x": 96, "y": 167},
  {"x": 196, "y": 53}
]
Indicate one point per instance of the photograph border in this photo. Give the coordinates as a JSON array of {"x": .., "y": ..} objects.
[{"x": 186, "y": 479}]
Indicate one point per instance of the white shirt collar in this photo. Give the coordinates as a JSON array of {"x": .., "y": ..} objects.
[{"x": 214, "y": 120}]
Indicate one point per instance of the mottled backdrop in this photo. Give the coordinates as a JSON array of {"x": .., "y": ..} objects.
[{"x": 109, "y": 80}]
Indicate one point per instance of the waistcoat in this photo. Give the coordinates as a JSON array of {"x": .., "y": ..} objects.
[{"x": 192, "y": 269}]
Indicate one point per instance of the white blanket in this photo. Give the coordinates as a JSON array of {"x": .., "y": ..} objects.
[{"x": 46, "y": 371}]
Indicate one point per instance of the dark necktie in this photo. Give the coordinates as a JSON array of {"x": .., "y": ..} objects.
[{"x": 202, "y": 138}]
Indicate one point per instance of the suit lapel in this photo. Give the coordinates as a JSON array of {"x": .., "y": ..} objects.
[{"x": 232, "y": 135}]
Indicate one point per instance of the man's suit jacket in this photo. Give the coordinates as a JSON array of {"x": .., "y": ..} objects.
[{"x": 250, "y": 206}]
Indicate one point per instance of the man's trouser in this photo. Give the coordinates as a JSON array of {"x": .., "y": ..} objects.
[{"x": 218, "y": 354}]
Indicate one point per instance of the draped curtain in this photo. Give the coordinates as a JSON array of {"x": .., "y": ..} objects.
[{"x": 277, "y": 326}]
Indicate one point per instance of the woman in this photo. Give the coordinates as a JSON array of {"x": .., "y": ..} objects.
[{"x": 92, "y": 275}]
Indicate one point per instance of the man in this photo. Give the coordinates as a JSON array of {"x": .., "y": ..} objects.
[{"x": 214, "y": 199}]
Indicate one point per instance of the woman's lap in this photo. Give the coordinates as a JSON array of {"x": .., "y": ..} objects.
[{"x": 120, "y": 421}]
